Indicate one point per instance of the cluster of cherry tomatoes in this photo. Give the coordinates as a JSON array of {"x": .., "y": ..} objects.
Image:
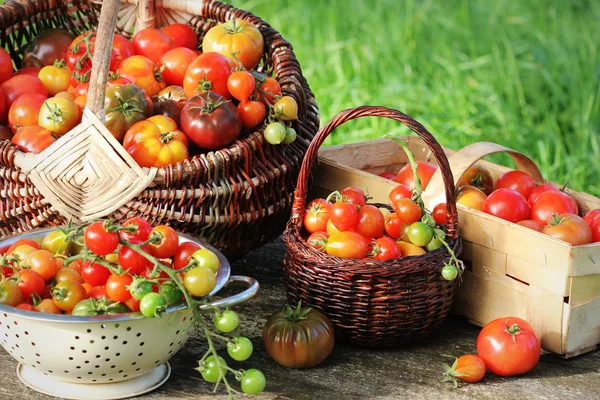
[
  {"x": 514, "y": 197},
  {"x": 106, "y": 269},
  {"x": 162, "y": 91}
]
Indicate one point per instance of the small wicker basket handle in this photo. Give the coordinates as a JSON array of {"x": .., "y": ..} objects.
[
  {"x": 463, "y": 159},
  {"x": 298, "y": 208}
]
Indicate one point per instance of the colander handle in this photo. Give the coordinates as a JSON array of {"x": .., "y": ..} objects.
[{"x": 239, "y": 298}]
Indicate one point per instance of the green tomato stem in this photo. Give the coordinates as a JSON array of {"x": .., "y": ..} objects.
[{"x": 418, "y": 189}]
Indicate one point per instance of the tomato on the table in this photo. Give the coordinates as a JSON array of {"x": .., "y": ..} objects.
[
  {"x": 132, "y": 261},
  {"x": 467, "y": 368}
]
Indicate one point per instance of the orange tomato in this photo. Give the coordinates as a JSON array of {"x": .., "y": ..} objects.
[
  {"x": 409, "y": 249},
  {"x": 479, "y": 176},
  {"x": 425, "y": 170},
  {"x": 471, "y": 197},
  {"x": 237, "y": 37},
  {"x": 569, "y": 228},
  {"x": 142, "y": 72}
]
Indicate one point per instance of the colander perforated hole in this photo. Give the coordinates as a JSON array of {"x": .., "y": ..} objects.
[
  {"x": 78, "y": 367},
  {"x": 117, "y": 325},
  {"x": 84, "y": 351},
  {"x": 110, "y": 379},
  {"x": 86, "y": 361},
  {"x": 103, "y": 337},
  {"x": 50, "y": 371},
  {"x": 17, "y": 335},
  {"x": 21, "y": 357},
  {"x": 134, "y": 363},
  {"x": 118, "y": 354},
  {"x": 177, "y": 333},
  {"x": 125, "y": 376},
  {"x": 5, "y": 315},
  {"x": 89, "y": 331},
  {"x": 113, "y": 366},
  {"x": 171, "y": 344},
  {"x": 33, "y": 343},
  {"x": 106, "y": 348},
  {"x": 38, "y": 363},
  {"x": 92, "y": 341},
  {"x": 180, "y": 343},
  {"x": 37, "y": 354},
  {"x": 96, "y": 366},
  {"x": 124, "y": 341},
  {"x": 156, "y": 362},
  {"x": 66, "y": 372},
  {"x": 27, "y": 333},
  {"x": 184, "y": 319},
  {"x": 17, "y": 346},
  {"x": 94, "y": 380},
  {"x": 115, "y": 337},
  {"x": 170, "y": 352},
  {"x": 141, "y": 354},
  {"x": 103, "y": 374},
  {"x": 139, "y": 334},
  {"x": 72, "y": 347},
  {"x": 98, "y": 356},
  {"x": 90, "y": 373},
  {"x": 142, "y": 343},
  {"x": 103, "y": 326},
  {"x": 7, "y": 326},
  {"x": 107, "y": 360},
  {"x": 137, "y": 369},
  {"x": 76, "y": 337},
  {"x": 15, "y": 322},
  {"x": 71, "y": 358},
  {"x": 128, "y": 328},
  {"x": 120, "y": 371}
]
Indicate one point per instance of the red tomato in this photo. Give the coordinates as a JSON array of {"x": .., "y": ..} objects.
[
  {"x": 507, "y": 204},
  {"x": 176, "y": 62},
  {"x": 398, "y": 193},
  {"x": 596, "y": 230},
  {"x": 30, "y": 282},
  {"x": 122, "y": 48},
  {"x": 79, "y": 57},
  {"x": 518, "y": 181},
  {"x": 531, "y": 224},
  {"x": 143, "y": 73},
  {"x": 44, "y": 263},
  {"x": 182, "y": 35},
  {"x": 408, "y": 211},
  {"x": 116, "y": 287},
  {"x": 2, "y": 106},
  {"x": 354, "y": 196},
  {"x": 569, "y": 228},
  {"x": 590, "y": 217},
  {"x": 370, "y": 222},
  {"x": 347, "y": 244},
  {"x": 139, "y": 230},
  {"x": 440, "y": 214},
  {"x": 318, "y": 240},
  {"x": 241, "y": 85},
  {"x": 183, "y": 253},
  {"x": 99, "y": 241},
  {"x": 19, "y": 85},
  {"x": 467, "y": 368},
  {"x": 385, "y": 248},
  {"x": 6, "y": 65},
  {"x": 508, "y": 346},
  {"x": 132, "y": 261},
  {"x": 94, "y": 274},
  {"x": 252, "y": 113},
  {"x": 133, "y": 304},
  {"x": 47, "y": 306},
  {"x": 152, "y": 43},
  {"x": 538, "y": 191},
  {"x": 425, "y": 170},
  {"x": 25, "y": 110},
  {"x": 98, "y": 292},
  {"x": 343, "y": 215},
  {"x": 478, "y": 176},
  {"x": 33, "y": 139},
  {"x": 209, "y": 72},
  {"x": 268, "y": 88},
  {"x": 552, "y": 202},
  {"x": 394, "y": 226},
  {"x": 210, "y": 122},
  {"x": 28, "y": 307},
  {"x": 316, "y": 217},
  {"x": 388, "y": 175},
  {"x": 167, "y": 244},
  {"x": 33, "y": 71}
]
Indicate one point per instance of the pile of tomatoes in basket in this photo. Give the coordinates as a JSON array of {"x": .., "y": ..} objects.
[
  {"x": 514, "y": 197},
  {"x": 164, "y": 100},
  {"x": 105, "y": 268}
]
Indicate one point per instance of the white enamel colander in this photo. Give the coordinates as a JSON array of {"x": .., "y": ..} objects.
[{"x": 103, "y": 349}]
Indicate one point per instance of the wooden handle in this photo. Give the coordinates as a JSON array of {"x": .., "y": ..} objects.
[
  {"x": 463, "y": 159},
  {"x": 103, "y": 50},
  {"x": 298, "y": 207}
]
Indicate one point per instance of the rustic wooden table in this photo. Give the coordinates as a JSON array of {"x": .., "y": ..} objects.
[{"x": 409, "y": 372}]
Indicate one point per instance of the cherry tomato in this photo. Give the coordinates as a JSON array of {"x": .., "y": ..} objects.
[
  {"x": 253, "y": 382},
  {"x": 30, "y": 282},
  {"x": 518, "y": 181},
  {"x": 569, "y": 228},
  {"x": 44, "y": 263},
  {"x": 98, "y": 292},
  {"x": 117, "y": 287},
  {"x": 237, "y": 39},
  {"x": 268, "y": 88},
  {"x": 132, "y": 261},
  {"x": 538, "y": 191},
  {"x": 140, "y": 230},
  {"x": 99, "y": 241},
  {"x": 47, "y": 306},
  {"x": 252, "y": 113},
  {"x": 507, "y": 204},
  {"x": 21, "y": 242},
  {"x": 199, "y": 281},
  {"x": 471, "y": 197},
  {"x": 143, "y": 73},
  {"x": 10, "y": 293},
  {"x": 370, "y": 222},
  {"x": 152, "y": 43},
  {"x": 316, "y": 217},
  {"x": 56, "y": 78},
  {"x": 425, "y": 170},
  {"x": 290, "y": 135},
  {"x": 28, "y": 307},
  {"x": 241, "y": 85},
  {"x": 354, "y": 196},
  {"x": 133, "y": 304},
  {"x": 449, "y": 272},
  {"x": 182, "y": 35},
  {"x": 388, "y": 175},
  {"x": 88, "y": 288},
  {"x": 212, "y": 371},
  {"x": 19, "y": 85},
  {"x": 275, "y": 133},
  {"x": 439, "y": 213},
  {"x": 286, "y": 109},
  {"x": 140, "y": 287},
  {"x": 152, "y": 305},
  {"x": 167, "y": 244},
  {"x": 478, "y": 176},
  {"x": 420, "y": 233},
  {"x": 25, "y": 110},
  {"x": 347, "y": 245},
  {"x": 531, "y": 224},
  {"x": 318, "y": 240},
  {"x": 552, "y": 202},
  {"x": 183, "y": 253},
  {"x": 209, "y": 72},
  {"x": 410, "y": 249},
  {"x": 95, "y": 274},
  {"x": 206, "y": 259},
  {"x": 226, "y": 321},
  {"x": 239, "y": 348},
  {"x": 508, "y": 346},
  {"x": 398, "y": 193},
  {"x": 385, "y": 248},
  {"x": 6, "y": 65},
  {"x": 467, "y": 368},
  {"x": 67, "y": 294},
  {"x": 175, "y": 63},
  {"x": 56, "y": 243},
  {"x": 33, "y": 139},
  {"x": 59, "y": 115},
  {"x": 408, "y": 211},
  {"x": 394, "y": 226}
]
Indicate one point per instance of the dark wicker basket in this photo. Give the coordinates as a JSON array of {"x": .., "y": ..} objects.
[
  {"x": 236, "y": 198},
  {"x": 371, "y": 303}
]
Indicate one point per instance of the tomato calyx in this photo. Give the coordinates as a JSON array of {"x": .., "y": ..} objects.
[
  {"x": 60, "y": 64},
  {"x": 126, "y": 107},
  {"x": 208, "y": 105},
  {"x": 56, "y": 114},
  {"x": 166, "y": 137},
  {"x": 450, "y": 373},
  {"x": 295, "y": 315},
  {"x": 513, "y": 330},
  {"x": 231, "y": 27},
  {"x": 556, "y": 219}
]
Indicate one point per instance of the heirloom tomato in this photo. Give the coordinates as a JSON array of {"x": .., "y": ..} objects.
[
  {"x": 347, "y": 245},
  {"x": 142, "y": 72},
  {"x": 298, "y": 338},
  {"x": 182, "y": 35},
  {"x": 59, "y": 115},
  {"x": 170, "y": 102},
  {"x": 518, "y": 181},
  {"x": 47, "y": 47},
  {"x": 33, "y": 71},
  {"x": 19, "y": 85},
  {"x": 241, "y": 85},
  {"x": 175, "y": 63},
  {"x": 33, "y": 139},
  {"x": 125, "y": 105},
  {"x": 152, "y": 43},
  {"x": 236, "y": 39},
  {"x": 507, "y": 204},
  {"x": 2, "y": 107},
  {"x": 471, "y": 197},
  {"x": 210, "y": 121},
  {"x": 156, "y": 142},
  {"x": 478, "y": 176},
  {"x": 425, "y": 170},
  {"x": 209, "y": 72},
  {"x": 252, "y": 113},
  {"x": 6, "y": 65},
  {"x": 122, "y": 48},
  {"x": 592, "y": 217},
  {"x": 569, "y": 228},
  {"x": 56, "y": 77},
  {"x": 552, "y": 202},
  {"x": 508, "y": 346}
]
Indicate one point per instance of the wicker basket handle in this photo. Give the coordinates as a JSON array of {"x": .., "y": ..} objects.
[
  {"x": 463, "y": 159},
  {"x": 298, "y": 208}
]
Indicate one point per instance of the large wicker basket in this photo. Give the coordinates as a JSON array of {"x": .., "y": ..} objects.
[
  {"x": 236, "y": 198},
  {"x": 371, "y": 303}
]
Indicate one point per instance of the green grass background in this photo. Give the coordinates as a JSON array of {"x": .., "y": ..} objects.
[{"x": 525, "y": 74}]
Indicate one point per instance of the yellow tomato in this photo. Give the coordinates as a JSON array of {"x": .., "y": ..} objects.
[
  {"x": 59, "y": 115},
  {"x": 56, "y": 78},
  {"x": 409, "y": 249},
  {"x": 236, "y": 36},
  {"x": 470, "y": 196}
]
